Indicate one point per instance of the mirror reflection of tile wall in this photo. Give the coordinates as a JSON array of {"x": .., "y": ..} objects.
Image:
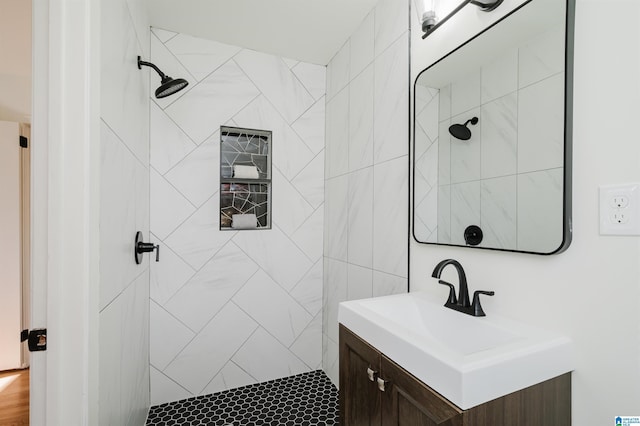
[{"x": 508, "y": 178}]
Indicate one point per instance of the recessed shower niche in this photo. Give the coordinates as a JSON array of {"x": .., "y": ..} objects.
[{"x": 245, "y": 179}]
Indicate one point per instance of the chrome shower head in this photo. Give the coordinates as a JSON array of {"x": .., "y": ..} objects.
[
  {"x": 168, "y": 85},
  {"x": 461, "y": 131}
]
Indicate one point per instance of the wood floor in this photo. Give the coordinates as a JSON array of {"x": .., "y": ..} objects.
[{"x": 14, "y": 398}]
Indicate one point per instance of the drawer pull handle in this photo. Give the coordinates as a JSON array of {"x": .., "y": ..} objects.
[
  {"x": 371, "y": 374},
  {"x": 382, "y": 384}
]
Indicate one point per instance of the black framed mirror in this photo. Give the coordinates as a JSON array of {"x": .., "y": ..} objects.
[{"x": 493, "y": 133}]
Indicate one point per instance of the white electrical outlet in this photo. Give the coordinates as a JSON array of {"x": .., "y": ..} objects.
[{"x": 620, "y": 209}]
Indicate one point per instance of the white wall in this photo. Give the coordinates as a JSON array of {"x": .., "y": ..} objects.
[
  {"x": 591, "y": 291},
  {"x": 231, "y": 308},
  {"x": 366, "y": 173},
  {"x": 124, "y": 210},
  {"x": 10, "y": 246}
]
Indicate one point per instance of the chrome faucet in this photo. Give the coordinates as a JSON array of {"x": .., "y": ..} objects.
[{"x": 461, "y": 303}]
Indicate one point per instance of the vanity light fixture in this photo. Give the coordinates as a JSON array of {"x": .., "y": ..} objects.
[
  {"x": 168, "y": 85},
  {"x": 427, "y": 12}
]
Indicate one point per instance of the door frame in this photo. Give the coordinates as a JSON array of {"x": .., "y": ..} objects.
[{"x": 65, "y": 210}]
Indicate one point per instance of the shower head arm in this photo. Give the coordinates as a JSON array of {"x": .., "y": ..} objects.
[{"x": 149, "y": 64}]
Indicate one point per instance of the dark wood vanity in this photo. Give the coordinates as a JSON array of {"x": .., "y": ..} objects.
[{"x": 374, "y": 390}]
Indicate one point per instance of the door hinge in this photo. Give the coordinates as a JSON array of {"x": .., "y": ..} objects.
[
  {"x": 37, "y": 339},
  {"x": 24, "y": 142}
]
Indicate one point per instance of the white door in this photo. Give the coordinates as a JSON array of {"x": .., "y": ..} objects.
[{"x": 10, "y": 248}]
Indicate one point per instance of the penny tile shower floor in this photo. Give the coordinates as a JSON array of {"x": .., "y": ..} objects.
[{"x": 301, "y": 400}]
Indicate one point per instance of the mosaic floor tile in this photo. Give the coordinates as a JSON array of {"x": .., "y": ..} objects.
[{"x": 301, "y": 400}]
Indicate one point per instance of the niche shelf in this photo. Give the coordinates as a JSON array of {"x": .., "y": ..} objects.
[{"x": 245, "y": 177}]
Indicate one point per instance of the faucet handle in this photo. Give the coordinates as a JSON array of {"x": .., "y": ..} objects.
[
  {"x": 476, "y": 306},
  {"x": 452, "y": 292}
]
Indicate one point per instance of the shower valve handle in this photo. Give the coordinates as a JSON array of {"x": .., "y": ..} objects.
[{"x": 142, "y": 247}]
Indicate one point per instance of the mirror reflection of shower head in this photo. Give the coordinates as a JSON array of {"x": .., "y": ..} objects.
[
  {"x": 461, "y": 131},
  {"x": 168, "y": 85}
]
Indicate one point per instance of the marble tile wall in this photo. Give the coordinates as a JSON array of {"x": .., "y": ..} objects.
[
  {"x": 231, "y": 308},
  {"x": 366, "y": 171},
  {"x": 124, "y": 210},
  {"x": 512, "y": 165}
]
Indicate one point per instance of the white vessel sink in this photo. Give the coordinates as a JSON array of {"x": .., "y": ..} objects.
[{"x": 468, "y": 360}]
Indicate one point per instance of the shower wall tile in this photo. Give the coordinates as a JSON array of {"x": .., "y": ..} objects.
[
  {"x": 465, "y": 155},
  {"x": 337, "y": 217},
  {"x": 170, "y": 207},
  {"x": 499, "y": 137},
  {"x": 276, "y": 254},
  {"x": 361, "y": 120},
  {"x": 201, "y": 282},
  {"x": 426, "y": 164},
  {"x": 338, "y": 71},
  {"x": 194, "y": 367},
  {"x": 124, "y": 98},
  {"x": 140, "y": 20},
  {"x": 427, "y": 118},
  {"x": 123, "y": 305},
  {"x": 465, "y": 94},
  {"x": 280, "y": 362},
  {"x": 308, "y": 292},
  {"x": 290, "y": 153},
  {"x": 337, "y": 133},
  {"x": 388, "y": 284},
  {"x": 230, "y": 377},
  {"x": 311, "y": 126},
  {"x": 541, "y": 125},
  {"x": 360, "y": 218},
  {"x": 198, "y": 238},
  {"x": 201, "y": 57},
  {"x": 465, "y": 209},
  {"x": 359, "y": 282},
  {"x": 390, "y": 222},
  {"x": 310, "y": 233},
  {"x": 542, "y": 57},
  {"x": 444, "y": 153},
  {"x": 273, "y": 308},
  {"x": 217, "y": 98},
  {"x": 426, "y": 214},
  {"x": 444, "y": 108},
  {"x": 391, "y": 100},
  {"x": 366, "y": 182},
  {"x": 498, "y": 212},
  {"x": 163, "y": 35},
  {"x": 540, "y": 210},
  {"x": 289, "y": 209},
  {"x": 362, "y": 45},
  {"x": 444, "y": 214},
  {"x": 391, "y": 21},
  {"x": 164, "y": 389},
  {"x": 330, "y": 361},
  {"x": 308, "y": 346},
  {"x": 134, "y": 350},
  {"x": 500, "y": 77},
  {"x": 168, "y": 336},
  {"x": 168, "y": 276},
  {"x": 212, "y": 287},
  {"x": 310, "y": 182},
  {"x": 276, "y": 82},
  {"x": 313, "y": 78},
  {"x": 193, "y": 176},
  {"x": 123, "y": 183},
  {"x": 335, "y": 291},
  {"x": 171, "y": 143},
  {"x": 110, "y": 364}
]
